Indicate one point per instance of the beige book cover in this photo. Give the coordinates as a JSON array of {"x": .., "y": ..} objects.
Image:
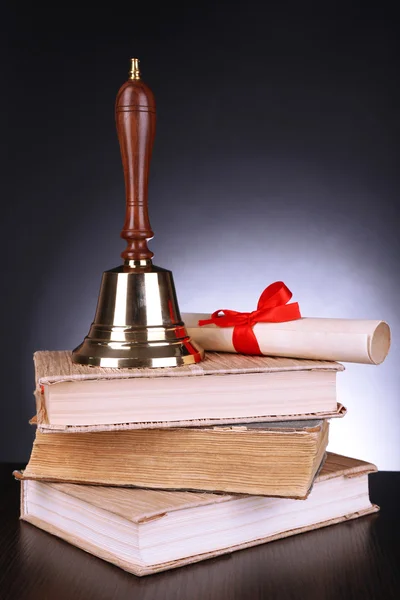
[
  {"x": 186, "y": 527},
  {"x": 275, "y": 459},
  {"x": 55, "y": 371}
]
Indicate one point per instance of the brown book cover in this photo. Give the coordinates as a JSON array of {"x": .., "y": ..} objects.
[
  {"x": 224, "y": 388},
  {"x": 274, "y": 459},
  {"x": 165, "y": 530}
]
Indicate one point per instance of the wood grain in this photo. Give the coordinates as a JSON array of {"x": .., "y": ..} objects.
[
  {"x": 135, "y": 118},
  {"x": 354, "y": 560}
]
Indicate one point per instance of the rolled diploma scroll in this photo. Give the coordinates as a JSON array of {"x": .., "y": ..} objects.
[{"x": 343, "y": 340}]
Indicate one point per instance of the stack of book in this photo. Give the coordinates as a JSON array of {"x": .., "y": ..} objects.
[{"x": 152, "y": 469}]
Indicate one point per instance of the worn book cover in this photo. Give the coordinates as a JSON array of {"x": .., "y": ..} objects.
[
  {"x": 224, "y": 388},
  {"x": 274, "y": 459},
  {"x": 146, "y": 531}
]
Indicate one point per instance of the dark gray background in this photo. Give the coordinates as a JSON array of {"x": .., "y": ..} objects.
[{"x": 275, "y": 158}]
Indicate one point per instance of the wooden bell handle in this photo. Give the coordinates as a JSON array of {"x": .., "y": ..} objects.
[{"x": 135, "y": 116}]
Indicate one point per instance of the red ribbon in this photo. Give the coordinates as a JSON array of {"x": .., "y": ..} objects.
[{"x": 272, "y": 307}]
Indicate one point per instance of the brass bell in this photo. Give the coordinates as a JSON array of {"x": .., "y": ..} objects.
[{"x": 137, "y": 321}]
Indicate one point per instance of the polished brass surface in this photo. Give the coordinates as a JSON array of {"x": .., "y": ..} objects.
[
  {"x": 134, "y": 73},
  {"x": 137, "y": 264},
  {"x": 137, "y": 322}
]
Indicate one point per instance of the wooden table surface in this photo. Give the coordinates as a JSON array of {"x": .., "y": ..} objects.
[{"x": 355, "y": 560}]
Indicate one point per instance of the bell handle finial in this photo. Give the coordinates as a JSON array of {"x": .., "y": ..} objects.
[{"x": 135, "y": 115}]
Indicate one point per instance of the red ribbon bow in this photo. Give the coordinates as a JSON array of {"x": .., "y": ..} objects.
[{"x": 272, "y": 307}]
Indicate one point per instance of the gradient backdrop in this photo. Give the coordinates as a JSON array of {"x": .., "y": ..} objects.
[{"x": 275, "y": 158}]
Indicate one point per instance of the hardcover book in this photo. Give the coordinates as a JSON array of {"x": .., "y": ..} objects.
[
  {"x": 272, "y": 459},
  {"x": 224, "y": 388},
  {"x": 146, "y": 531}
]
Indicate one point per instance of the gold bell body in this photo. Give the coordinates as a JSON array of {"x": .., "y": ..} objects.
[{"x": 137, "y": 321}]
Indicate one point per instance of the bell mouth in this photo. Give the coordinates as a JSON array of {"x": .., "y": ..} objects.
[
  {"x": 137, "y": 322},
  {"x": 139, "y": 355}
]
